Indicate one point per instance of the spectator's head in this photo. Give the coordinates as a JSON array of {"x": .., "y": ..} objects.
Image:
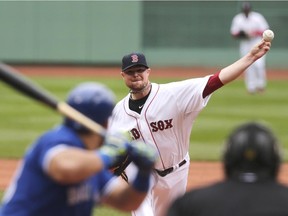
[
  {"x": 246, "y": 8},
  {"x": 94, "y": 100},
  {"x": 251, "y": 152}
]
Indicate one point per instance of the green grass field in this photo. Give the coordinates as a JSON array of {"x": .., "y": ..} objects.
[{"x": 22, "y": 119}]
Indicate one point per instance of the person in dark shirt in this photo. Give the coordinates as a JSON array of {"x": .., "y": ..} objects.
[{"x": 251, "y": 162}]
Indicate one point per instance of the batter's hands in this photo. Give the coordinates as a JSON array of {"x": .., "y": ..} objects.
[
  {"x": 114, "y": 149},
  {"x": 143, "y": 155}
]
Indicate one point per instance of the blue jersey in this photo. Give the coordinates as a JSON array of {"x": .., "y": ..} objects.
[{"x": 34, "y": 193}]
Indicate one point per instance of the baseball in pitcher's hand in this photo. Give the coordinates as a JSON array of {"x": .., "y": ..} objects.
[{"x": 260, "y": 49}]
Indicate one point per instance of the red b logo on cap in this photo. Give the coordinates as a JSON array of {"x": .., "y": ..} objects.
[{"x": 134, "y": 58}]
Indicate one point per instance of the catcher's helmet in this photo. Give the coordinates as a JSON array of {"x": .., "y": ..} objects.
[
  {"x": 94, "y": 100},
  {"x": 252, "y": 148}
]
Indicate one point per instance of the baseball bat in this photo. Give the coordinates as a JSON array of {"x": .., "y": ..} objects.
[{"x": 25, "y": 86}]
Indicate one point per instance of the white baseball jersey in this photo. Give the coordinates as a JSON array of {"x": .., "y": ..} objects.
[
  {"x": 255, "y": 76},
  {"x": 165, "y": 123}
]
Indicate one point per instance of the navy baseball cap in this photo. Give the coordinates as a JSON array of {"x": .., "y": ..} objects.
[{"x": 133, "y": 59}]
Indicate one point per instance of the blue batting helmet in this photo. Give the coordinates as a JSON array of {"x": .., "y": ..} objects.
[{"x": 94, "y": 100}]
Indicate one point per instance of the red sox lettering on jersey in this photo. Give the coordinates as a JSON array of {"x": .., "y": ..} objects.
[
  {"x": 155, "y": 127},
  {"x": 166, "y": 118}
]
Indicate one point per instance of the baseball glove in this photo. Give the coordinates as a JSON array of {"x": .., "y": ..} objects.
[
  {"x": 242, "y": 35},
  {"x": 142, "y": 155},
  {"x": 119, "y": 168},
  {"x": 122, "y": 162}
]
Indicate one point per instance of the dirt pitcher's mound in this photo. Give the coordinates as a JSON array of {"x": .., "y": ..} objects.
[{"x": 200, "y": 174}]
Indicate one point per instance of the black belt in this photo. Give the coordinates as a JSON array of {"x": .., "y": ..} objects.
[{"x": 165, "y": 172}]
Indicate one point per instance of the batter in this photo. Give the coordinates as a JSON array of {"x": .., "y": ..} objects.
[{"x": 66, "y": 171}]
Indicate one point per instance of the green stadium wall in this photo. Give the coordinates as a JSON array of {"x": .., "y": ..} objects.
[{"x": 170, "y": 33}]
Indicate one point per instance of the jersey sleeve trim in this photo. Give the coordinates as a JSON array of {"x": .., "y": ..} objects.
[
  {"x": 50, "y": 154},
  {"x": 212, "y": 85},
  {"x": 111, "y": 185}
]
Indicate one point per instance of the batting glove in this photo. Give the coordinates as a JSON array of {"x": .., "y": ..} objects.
[
  {"x": 143, "y": 155},
  {"x": 114, "y": 149}
]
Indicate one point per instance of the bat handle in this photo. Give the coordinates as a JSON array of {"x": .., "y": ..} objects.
[{"x": 70, "y": 112}]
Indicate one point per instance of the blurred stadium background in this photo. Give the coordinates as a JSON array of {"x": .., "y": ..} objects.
[
  {"x": 185, "y": 33},
  {"x": 96, "y": 34}
]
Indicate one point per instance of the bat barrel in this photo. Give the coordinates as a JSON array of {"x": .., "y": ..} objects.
[{"x": 30, "y": 89}]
